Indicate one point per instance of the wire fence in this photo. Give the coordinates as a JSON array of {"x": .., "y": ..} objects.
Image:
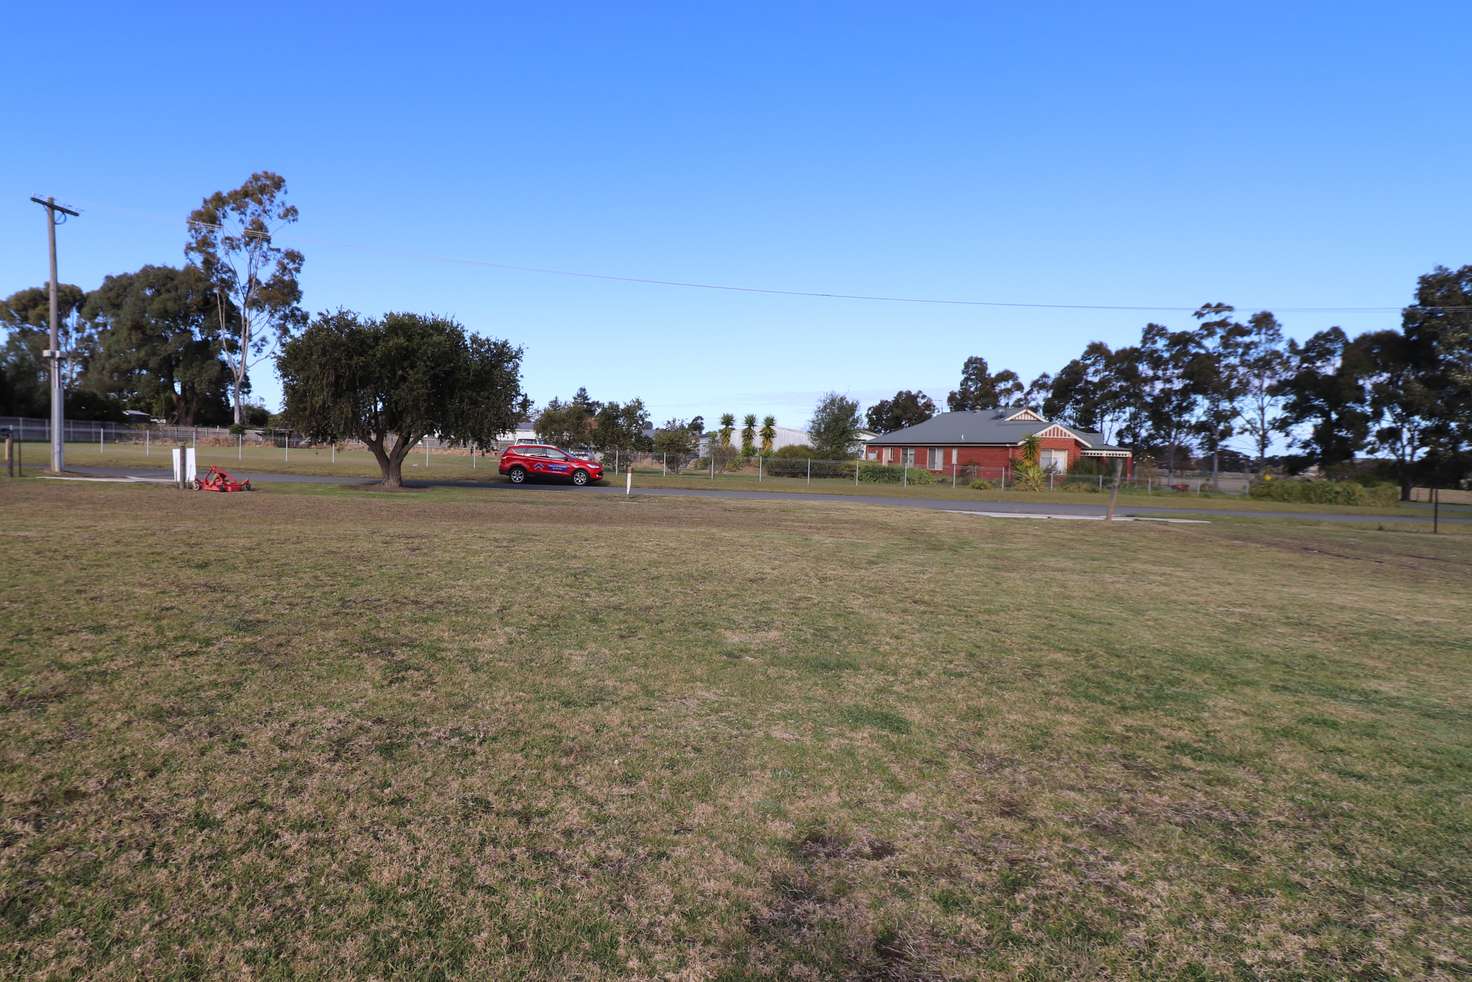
[{"x": 727, "y": 467}]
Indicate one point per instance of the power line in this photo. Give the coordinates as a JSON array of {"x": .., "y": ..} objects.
[{"x": 858, "y": 297}]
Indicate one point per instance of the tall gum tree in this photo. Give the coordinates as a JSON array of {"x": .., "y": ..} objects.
[{"x": 232, "y": 240}]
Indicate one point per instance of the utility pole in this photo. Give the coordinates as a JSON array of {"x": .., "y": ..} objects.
[{"x": 54, "y": 353}]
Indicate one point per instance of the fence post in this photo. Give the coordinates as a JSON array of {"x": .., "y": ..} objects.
[
  {"x": 146, "y": 432},
  {"x": 857, "y": 464},
  {"x": 810, "y": 472},
  {"x": 1114, "y": 494},
  {"x": 240, "y": 450},
  {"x": 426, "y": 451},
  {"x": 101, "y": 440},
  {"x": 334, "y": 451},
  {"x": 905, "y": 476},
  {"x": 9, "y": 455}
]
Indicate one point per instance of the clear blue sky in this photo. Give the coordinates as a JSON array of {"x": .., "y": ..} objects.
[{"x": 1255, "y": 153}]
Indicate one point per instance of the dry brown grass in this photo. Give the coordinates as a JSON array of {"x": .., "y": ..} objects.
[{"x": 552, "y": 735}]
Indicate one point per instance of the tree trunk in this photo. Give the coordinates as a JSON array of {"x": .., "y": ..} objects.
[
  {"x": 390, "y": 473},
  {"x": 1405, "y": 489},
  {"x": 236, "y": 384}
]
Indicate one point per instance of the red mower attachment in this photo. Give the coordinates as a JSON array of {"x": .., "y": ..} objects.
[{"x": 217, "y": 480}]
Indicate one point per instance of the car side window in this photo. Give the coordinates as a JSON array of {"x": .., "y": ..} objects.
[{"x": 554, "y": 454}]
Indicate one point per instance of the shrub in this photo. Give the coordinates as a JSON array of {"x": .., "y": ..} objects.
[
  {"x": 872, "y": 473},
  {"x": 1325, "y": 492},
  {"x": 980, "y": 485}
]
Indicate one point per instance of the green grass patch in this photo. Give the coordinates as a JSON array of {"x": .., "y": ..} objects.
[{"x": 327, "y": 731}]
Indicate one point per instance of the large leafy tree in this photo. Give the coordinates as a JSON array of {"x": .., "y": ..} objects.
[
  {"x": 393, "y": 381},
  {"x": 1216, "y": 378},
  {"x": 26, "y": 318},
  {"x": 232, "y": 239},
  {"x": 905, "y": 409},
  {"x": 158, "y": 344},
  {"x": 1037, "y": 392},
  {"x": 1168, "y": 389},
  {"x": 834, "y": 428},
  {"x": 1324, "y": 411},
  {"x": 1096, "y": 391},
  {"x": 1403, "y": 409},
  {"x": 980, "y": 389},
  {"x": 1261, "y": 361},
  {"x": 1438, "y": 333},
  {"x": 567, "y": 423},
  {"x": 675, "y": 440},
  {"x": 620, "y": 427}
]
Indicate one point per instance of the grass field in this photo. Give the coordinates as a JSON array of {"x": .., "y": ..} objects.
[
  {"x": 448, "y": 466},
  {"x": 314, "y": 731}
]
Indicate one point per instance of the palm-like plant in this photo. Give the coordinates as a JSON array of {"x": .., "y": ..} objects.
[
  {"x": 768, "y": 435},
  {"x": 728, "y": 426},
  {"x": 748, "y": 436}
]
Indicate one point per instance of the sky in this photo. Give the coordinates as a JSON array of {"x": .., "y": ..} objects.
[{"x": 1268, "y": 155}]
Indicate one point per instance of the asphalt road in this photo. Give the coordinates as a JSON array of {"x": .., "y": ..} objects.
[{"x": 937, "y": 504}]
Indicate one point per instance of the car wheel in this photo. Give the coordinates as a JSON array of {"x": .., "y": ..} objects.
[
  {"x": 580, "y": 477},
  {"x": 517, "y": 475}
]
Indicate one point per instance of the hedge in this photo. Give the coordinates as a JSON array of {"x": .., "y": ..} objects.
[{"x": 1325, "y": 492}]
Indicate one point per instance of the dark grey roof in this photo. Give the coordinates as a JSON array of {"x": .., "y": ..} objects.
[{"x": 986, "y": 426}]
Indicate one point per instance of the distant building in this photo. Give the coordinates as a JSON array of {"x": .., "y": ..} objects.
[{"x": 990, "y": 438}]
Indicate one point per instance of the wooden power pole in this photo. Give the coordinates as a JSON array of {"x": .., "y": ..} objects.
[{"x": 54, "y": 353}]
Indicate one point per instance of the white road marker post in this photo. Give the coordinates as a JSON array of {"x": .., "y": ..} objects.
[
  {"x": 145, "y": 442},
  {"x": 628, "y": 482},
  {"x": 240, "y": 448},
  {"x": 810, "y": 472}
]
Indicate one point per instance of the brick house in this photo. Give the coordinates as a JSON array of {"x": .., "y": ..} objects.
[{"x": 991, "y": 439}]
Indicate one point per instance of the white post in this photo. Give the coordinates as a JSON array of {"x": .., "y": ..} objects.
[
  {"x": 712, "y": 465},
  {"x": 758, "y": 469},
  {"x": 857, "y": 464},
  {"x": 145, "y": 441},
  {"x": 615, "y": 460},
  {"x": 664, "y": 464},
  {"x": 1050, "y": 480},
  {"x": 953, "y": 468},
  {"x": 472, "y": 459},
  {"x": 240, "y": 449},
  {"x": 101, "y": 438},
  {"x": 334, "y": 452},
  {"x": 1004, "y": 478},
  {"x": 426, "y": 451},
  {"x": 628, "y": 482},
  {"x": 810, "y": 471},
  {"x": 905, "y": 475},
  {"x": 287, "y": 446}
]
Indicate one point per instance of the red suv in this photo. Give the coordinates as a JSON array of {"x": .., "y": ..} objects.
[{"x": 524, "y": 460}]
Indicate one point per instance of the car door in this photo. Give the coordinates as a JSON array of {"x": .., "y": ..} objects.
[{"x": 556, "y": 463}]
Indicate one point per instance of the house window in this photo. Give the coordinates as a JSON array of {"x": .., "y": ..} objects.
[
  {"x": 934, "y": 459},
  {"x": 1055, "y": 461},
  {"x": 909, "y": 456}
]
